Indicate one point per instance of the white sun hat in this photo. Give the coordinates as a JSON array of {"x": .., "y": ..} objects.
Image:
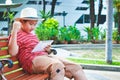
[{"x": 28, "y": 14}]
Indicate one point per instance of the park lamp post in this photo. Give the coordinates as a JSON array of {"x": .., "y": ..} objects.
[
  {"x": 8, "y": 5},
  {"x": 64, "y": 14},
  {"x": 108, "y": 48}
]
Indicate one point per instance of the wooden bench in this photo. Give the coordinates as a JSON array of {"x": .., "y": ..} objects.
[{"x": 15, "y": 72}]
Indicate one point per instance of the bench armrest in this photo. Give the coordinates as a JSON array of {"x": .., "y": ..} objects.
[
  {"x": 2, "y": 63},
  {"x": 5, "y": 61}
]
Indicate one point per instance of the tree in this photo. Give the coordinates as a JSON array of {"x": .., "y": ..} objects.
[
  {"x": 44, "y": 6},
  {"x": 92, "y": 14},
  {"x": 48, "y": 14},
  {"x": 53, "y": 7},
  {"x": 99, "y": 11},
  {"x": 92, "y": 17}
]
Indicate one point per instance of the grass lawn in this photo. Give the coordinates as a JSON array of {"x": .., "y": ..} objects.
[
  {"x": 91, "y": 61},
  {"x": 96, "y": 56}
]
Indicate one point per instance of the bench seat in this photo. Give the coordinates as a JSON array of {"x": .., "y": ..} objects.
[{"x": 15, "y": 72}]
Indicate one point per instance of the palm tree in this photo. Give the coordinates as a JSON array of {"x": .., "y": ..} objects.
[
  {"x": 53, "y": 7},
  {"x": 92, "y": 14},
  {"x": 44, "y": 6},
  {"x": 99, "y": 11},
  {"x": 45, "y": 15}
]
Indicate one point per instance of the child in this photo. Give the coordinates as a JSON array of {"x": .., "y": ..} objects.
[{"x": 22, "y": 42}]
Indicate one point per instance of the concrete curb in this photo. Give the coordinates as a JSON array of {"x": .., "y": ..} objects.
[
  {"x": 101, "y": 67},
  {"x": 83, "y": 46}
]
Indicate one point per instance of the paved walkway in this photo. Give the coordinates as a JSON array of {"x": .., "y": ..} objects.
[
  {"x": 101, "y": 75},
  {"x": 65, "y": 53}
]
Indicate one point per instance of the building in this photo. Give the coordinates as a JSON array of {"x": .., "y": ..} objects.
[{"x": 67, "y": 12}]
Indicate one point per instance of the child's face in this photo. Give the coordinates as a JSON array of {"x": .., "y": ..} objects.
[{"x": 28, "y": 25}]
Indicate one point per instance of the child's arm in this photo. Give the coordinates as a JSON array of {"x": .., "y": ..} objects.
[{"x": 13, "y": 47}]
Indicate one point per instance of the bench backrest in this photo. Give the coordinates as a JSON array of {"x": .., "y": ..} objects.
[{"x": 15, "y": 70}]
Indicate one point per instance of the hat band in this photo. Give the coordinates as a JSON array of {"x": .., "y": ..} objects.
[{"x": 30, "y": 17}]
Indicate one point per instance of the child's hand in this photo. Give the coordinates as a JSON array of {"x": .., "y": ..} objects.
[
  {"x": 16, "y": 26},
  {"x": 48, "y": 48}
]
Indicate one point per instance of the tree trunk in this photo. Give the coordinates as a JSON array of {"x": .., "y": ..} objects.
[
  {"x": 92, "y": 14},
  {"x": 44, "y": 6},
  {"x": 92, "y": 17},
  {"x": 109, "y": 31},
  {"x": 99, "y": 12},
  {"x": 53, "y": 7}
]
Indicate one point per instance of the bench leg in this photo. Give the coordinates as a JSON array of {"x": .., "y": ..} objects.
[{"x": 2, "y": 77}]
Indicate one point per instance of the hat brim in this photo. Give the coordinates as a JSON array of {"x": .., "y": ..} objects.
[{"x": 28, "y": 18}]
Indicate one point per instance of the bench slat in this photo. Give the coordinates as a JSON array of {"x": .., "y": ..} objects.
[
  {"x": 13, "y": 75},
  {"x": 29, "y": 77},
  {"x": 33, "y": 77},
  {"x": 15, "y": 66},
  {"x": 3, "y": 52},
  {"x": 21, "y": 77},
  {"x": 13, "y": 58},
  {"x": 45, "y": 76},
  {"x": 3, "y": 44}
]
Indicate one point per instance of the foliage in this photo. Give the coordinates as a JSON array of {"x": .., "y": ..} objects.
[
  {"x": 9, "y": 15},
  {"x": 117, "y": 12},
  {"x": 115, "y": 16},
  {"x": 88, "y": 31},
  {"x": 116, "y": 35},
  {"x": 103, "y": 35},
  {"x": 53, "y": 32},
  {"x": 69, "y": 33},
  {"x": 63, "y": 34},
  {"x": 74, "y": 33},
  {"x": 44, "y": 15},
  {"x": 116, "y": 3},
  {"x": 48, "y": 29},
  {"x": 51, "y": 23},
  {"x": 42, "y": 32},
  {"x": 95, "y": 33}
]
